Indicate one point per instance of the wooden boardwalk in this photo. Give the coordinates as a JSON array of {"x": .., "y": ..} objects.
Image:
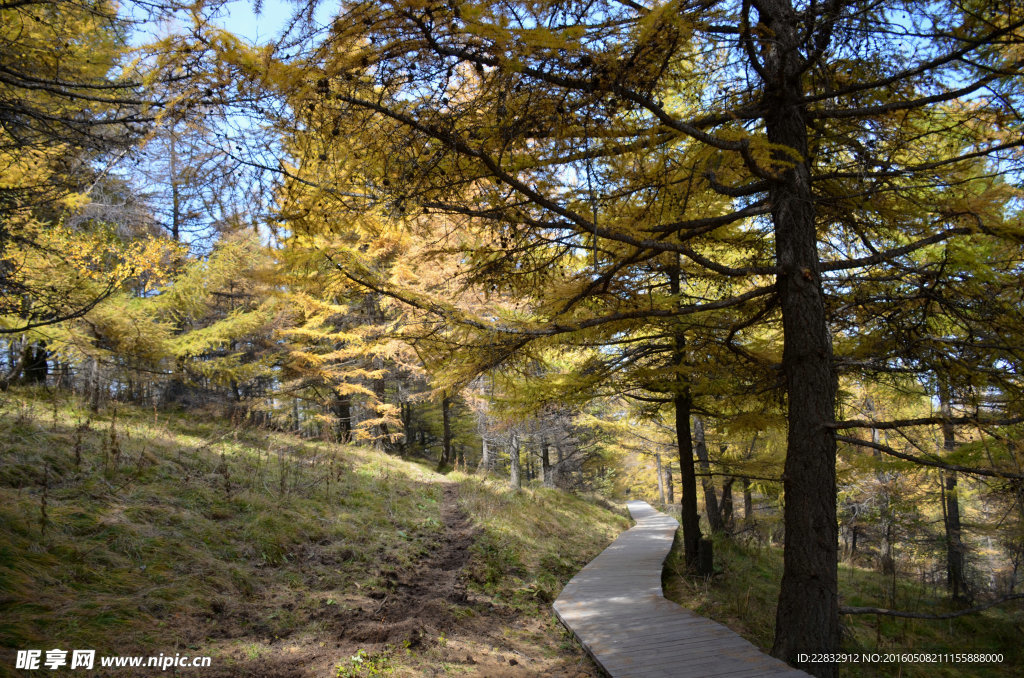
[{"x": 616, "y": 609}]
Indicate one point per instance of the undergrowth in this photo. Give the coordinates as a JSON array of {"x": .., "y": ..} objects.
[
  {"x": 534, "y": 540},
  {"x": 130, "y": 529},
  {"x": 135, "y": 531},
  {"x": 744, "y": 591}
]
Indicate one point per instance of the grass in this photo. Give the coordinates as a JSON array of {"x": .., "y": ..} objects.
[
  {"x": 744, "y": 591},
  {"x": 134, "y": 530},
  {"x": 533, "y": 541}
]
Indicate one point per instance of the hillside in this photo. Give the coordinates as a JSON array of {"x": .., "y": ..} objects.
[{"x": 138, "y": 532}]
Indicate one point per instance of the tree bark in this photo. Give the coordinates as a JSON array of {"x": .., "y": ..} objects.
[
  {"x": 406, "y": 413},
  {"x": 341, "y": 408},
  {"x": 661, "y": 478},
  {"x": 748, "y": 503},
  {"x": 670, "y": 490},
  {"x": 559, "y": 460},
  {"x": 486, "y": 460},
  {"x": 707, "y": 484},
  {"x": 807, "y": 616},
  {"x": 886, "y": 556},
  {"x": 446, "y": 422},
  {"x": 690, "y": 519},
  {"x": 380, "y": 388},
  {"x": 36, "y": 363},
  {"x": 545, "y": 464},
  {"x": 726, "y": 504},
  {"x": 515, "y": 479},
  {"x": 955, "y": 553}
]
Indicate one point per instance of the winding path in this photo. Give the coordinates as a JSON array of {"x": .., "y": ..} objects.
[{"x": 616, "y": 609}]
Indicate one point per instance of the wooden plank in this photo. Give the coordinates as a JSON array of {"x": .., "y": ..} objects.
[{"x": 616, "y": 608}]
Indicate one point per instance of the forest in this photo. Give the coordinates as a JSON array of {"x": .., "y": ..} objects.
[{"x": 434, "y": 286}]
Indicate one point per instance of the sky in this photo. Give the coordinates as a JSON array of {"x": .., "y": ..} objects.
[{"x": 240, "y": 18}]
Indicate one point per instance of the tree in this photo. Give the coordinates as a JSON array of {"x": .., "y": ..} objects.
[{"x": 627, "y": 132}]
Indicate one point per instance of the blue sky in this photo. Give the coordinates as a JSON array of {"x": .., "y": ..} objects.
[{"x": 240, "y": 18}]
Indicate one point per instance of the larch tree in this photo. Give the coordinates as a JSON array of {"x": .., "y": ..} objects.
[{"x": 554, "y": 128}]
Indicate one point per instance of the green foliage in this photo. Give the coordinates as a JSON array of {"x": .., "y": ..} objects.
[{"x": 363, "y": 664}]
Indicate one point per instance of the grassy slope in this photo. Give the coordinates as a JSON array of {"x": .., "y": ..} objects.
[
  {"x": 744, "y": 591},
  {"x": 145, "y": 532}
]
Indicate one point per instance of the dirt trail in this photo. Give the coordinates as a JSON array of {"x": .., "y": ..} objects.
[
  {"x": 420, "y": 600},
  {"x": 426, "y": 621}
]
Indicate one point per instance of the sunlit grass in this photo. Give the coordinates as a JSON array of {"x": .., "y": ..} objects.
[
  {"x": 115, "y": 532},
  {"x": 533, "y": 541},
  {"x": 162, "y": 531}
]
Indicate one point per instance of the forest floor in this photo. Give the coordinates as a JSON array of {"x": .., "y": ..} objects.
[
  {"x": 138, "y": 532},
  {"x": 743, "y": 592}
]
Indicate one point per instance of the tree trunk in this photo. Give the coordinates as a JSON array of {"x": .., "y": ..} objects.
[
  {"x": 36, "y": 363},
  {"x": 661, "y": 478},
  {"x": 548, "y": 475},
  {"x": 407, "y": 435},
  {"x": 726, "y": 504},
  {"x": 175, "y": 186},
  {"x": 670, "y": 490},
  {"x": 486, "y": 461},
  {"x": 16, "y": 360},
  {"x": 515, "y": 479},
  {"x": 807, "y": 616},
  {"x": 690, "y": 519},
  {"x": 748, "y": 503},
  {"x": 955, "y": 576},
  {"x": 886, "y": 557},
  {"x": 707, "y": 484},
  {"x": 446, "y": 441},
  {"x": 380, "y": 388},
  {"x": 559, "y": 460}
]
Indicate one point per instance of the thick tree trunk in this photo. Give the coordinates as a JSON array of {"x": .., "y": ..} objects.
[
  {"x": 690, "y": 519},
  {"x": 700, "y": 447},
  {"x": 515, "y": 478},
  {"x": 175, "y": 187},
  {"x": 807, "y": 617}
]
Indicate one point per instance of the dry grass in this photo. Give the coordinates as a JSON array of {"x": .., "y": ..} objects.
[
  {"x": 744, "y": 591},
  {"x": 136, "y": 531}
]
